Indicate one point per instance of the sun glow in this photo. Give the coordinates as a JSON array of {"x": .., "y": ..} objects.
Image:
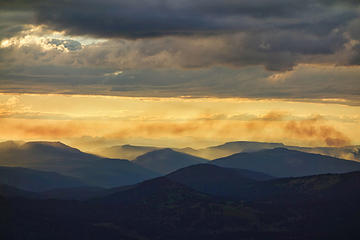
[{"x": 187, "y": 121}]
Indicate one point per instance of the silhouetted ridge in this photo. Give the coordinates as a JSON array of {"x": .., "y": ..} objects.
[
  {"x": 9, "y": 145},
  {"x": 167, "y": 160},
  {"x": 155, "y": 192},
  {"x": 48, "y": 146},
  {"x": 282, "y": 162},
  {"x": 58, "y": 157},
  {"x": 230, "y": 148}
]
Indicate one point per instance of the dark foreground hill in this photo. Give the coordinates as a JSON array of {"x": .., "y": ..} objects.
[
  {"x": 245, "y": 185},
  {"x": 216, "y": 180},
  {"x": 315, "y": 188},
  {"x": 167, "y": 160},
  {"x": 281, "y": 162},
  {"x": 60, "y": 158},
  {"x": 315, "y": 207}
]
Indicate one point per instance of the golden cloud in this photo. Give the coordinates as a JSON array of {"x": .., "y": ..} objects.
[{"x": 272, "y": 126}]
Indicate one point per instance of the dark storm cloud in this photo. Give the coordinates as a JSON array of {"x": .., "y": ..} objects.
[
  {"x": 167, "y": 37},
  {"x": 355, "y": 55},
  {"x": 303, "y": 83},
  {"x": 11, "y": 22},
  {"x": 354, "y": 29},
  {"x": 151, "y": 18},
  {"x": 277, "y": 34}
]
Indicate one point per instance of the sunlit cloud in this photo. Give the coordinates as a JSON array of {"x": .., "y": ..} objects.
[
  {"x": 188, "y": 121},
  {"x": 47, "y": 39}
]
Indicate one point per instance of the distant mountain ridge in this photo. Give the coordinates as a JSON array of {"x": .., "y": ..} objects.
[
  {"x": 105, "y": 172},
  {"x": 282, "y": 162},
  {"x": 60, "y": 158},
  {"x": 229, "y": 148},
  {"x": 167, "y": 160},
  {"x": 43, "y": 146}
]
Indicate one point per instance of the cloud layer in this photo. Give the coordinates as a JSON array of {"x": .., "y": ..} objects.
[
  {"x": 179, "y": 120},
  {"x": 253, "y": 48}
]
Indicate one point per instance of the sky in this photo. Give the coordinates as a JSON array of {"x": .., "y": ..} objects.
[{"x": 179, "y": 72}]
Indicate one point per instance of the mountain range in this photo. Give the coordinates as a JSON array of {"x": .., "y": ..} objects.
[
  {"x": 68, "y": 161},
  {"x": 125, "y": 151},
  {"x": 93, "y": 170},
  {"x": 282, "y": 162},
  {"x": 49, "y": 190},
  {"x": 132, "y": 151},
  {"x": 229, "y": 148}
]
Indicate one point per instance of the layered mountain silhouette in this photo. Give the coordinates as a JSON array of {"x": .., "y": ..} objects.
[
  {"x": 60, "y": 158},
  {"x": 255, "y": 187},
  {"x": 313, "y": 207},
  {"x": 34, "y": 180},
  {"x": 347, "y": 152},
  {"x": 281, "y": 162},
  {"x": 245, "y": 185},
  {"x": 167, "y": 160},
  {"x": 242, "y": 196},
  {"x": 229, "y": 148}
]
